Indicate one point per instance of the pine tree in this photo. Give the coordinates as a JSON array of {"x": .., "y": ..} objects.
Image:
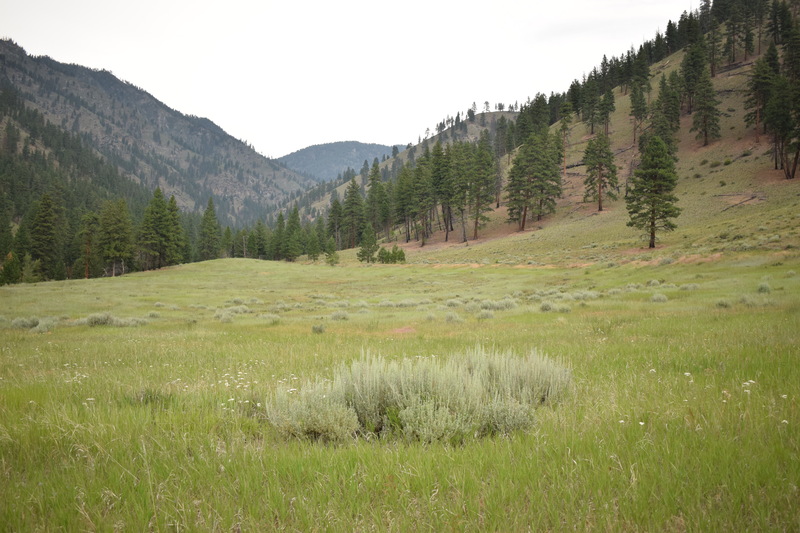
[
  {"x": 176, "y": 235},
  {"x": 706, "y": 117},
  {"x": 601, "y": 171},
  {"x": 369, "y": 245},
  {"x": 335, "y": 219},
  {"x": 650, "y": 200},
  {"x": 209, "y": 233},
  {"x": 43, "y": 237},
  {"x": 693, "y": 68},
  {"x": 782, "y": 118},
  {"x": 116, "y": 236},
  {"x": 154, "y": 234},
  {"x": 638, "y": 109},
  {"x": 11, "y": 271},
  {"x": 276, "y": 243},
  {"x": 534, "y": 181},
  {"x": 377, "y": 202},
  {"x": 605, "y": 109},
  {"x": 481, "y": 190},
  {"x": 90, "y": 224},
  {"x": 352, "y": 215},
  {"x": 759, "y": 89}
]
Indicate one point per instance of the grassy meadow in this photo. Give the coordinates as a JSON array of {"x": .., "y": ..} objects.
[
  {"x": 138, "y": 403},
  {"x": 141, "y": 402}
]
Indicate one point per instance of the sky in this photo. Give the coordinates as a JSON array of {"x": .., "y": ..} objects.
[{"x": 295, "y": 73}]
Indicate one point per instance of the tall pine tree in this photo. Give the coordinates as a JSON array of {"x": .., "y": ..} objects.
[{"x": 650, "y": 200}]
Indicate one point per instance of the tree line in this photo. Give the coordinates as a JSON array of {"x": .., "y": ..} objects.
[{"x": 448, "y": 188}]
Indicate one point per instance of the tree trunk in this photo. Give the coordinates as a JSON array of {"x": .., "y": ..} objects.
[
  {"x": 599, "y": 193},
  {"x": 522, "y": 218}
]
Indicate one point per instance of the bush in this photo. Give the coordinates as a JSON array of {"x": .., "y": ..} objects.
[
  {"x": 318, "y": 329},
  {"x": 485, "y": 315},
  {"x": 25, "y": 323},
  {"x": 764, "y": 288},
  {"x": 659, "y": 298},
  {"x": 422, "y": 399},
  {"x": 340, "y": 315},
  {"x": 107, "y": 319},
  {"x": 453, "y": 318},
  {"x": 271, "y": 319}
]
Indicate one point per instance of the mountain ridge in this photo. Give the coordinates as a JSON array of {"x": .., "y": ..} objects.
[
  {"x": 325, "y": 161},
  {"x": 189, "y": 157}
]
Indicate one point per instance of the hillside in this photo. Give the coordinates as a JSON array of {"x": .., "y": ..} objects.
[
  {"x": 189, "y": 157},
  {"x": 731, "y": 198},
  {"x": 325, "y": 162}
]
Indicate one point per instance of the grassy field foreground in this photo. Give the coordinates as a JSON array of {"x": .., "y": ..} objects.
[{"x": 137, "y": 403}]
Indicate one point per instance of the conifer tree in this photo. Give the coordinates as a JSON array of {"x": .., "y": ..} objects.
[
  {"x": 650, "y": 200},
  {"x": 706, "y": 116},
  {"x": 566, "y": 122},
  {"x": 481, "y": 190},
  {"x": 276, "y": 243},
  {"x": 606, "y": 107},
  {"x": 638, "y": 108},
  {"x": 90, "y": 224},
  {"x": 209, "y": 233},
  {"x": 335, "y": 219},
  {"x": 377, "y": 202},
  {"x": 176, "y": 235},
  {"x": 404, "y": 203},
  {"x": 116, "y": 236},
  {"x": 534, "y": 181},
  {"x": 11, "y": 271},
  {"x": 369, "y": 245},
  {"x": 155, "y": 234},
  {"x": 352, "y": 215},
  {"x": 43, "y": 237},
  {"x": 782, "y": 117},
  {"x": 601, "y": 171}
]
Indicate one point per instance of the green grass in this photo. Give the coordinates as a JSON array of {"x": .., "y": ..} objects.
[{"x": 681, "y": 414}]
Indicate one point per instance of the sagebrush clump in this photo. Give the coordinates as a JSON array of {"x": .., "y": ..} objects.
[{"x": 426, "y": 399}]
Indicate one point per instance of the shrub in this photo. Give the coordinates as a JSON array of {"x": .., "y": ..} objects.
[
  {"x": 25, "y": 323},
  {"x": 270, "y": 318},
  {"x": 499, "y": 305},
  {"x": 422, "y": 399},
  {"x": 153, "y": 314},
  {"x": 45, "y": 325},
  {"x": 318, "y": 329},
  {"x": 659, "y": 298},
  {"x": 689, "y": 287},
  {"x": 485, "y": 315},
  {"x": 453, "y": 318},
  {"x": 546, "y": 307},
  {"x": 340, "y": 315},
  {"x": 724, "y": 304},
  {"x": 107, "y": 319},
  {"x": 764, "y": 288}
]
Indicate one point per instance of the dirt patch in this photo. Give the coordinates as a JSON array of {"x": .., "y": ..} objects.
[{"x": 402, "y": 331}]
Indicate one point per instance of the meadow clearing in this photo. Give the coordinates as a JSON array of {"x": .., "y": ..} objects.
[{"x": 139, "y": 402}]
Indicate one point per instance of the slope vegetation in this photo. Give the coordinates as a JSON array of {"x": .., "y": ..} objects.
[{"x": 189, "y": 157}]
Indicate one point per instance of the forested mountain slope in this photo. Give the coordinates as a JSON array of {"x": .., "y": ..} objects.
[
  {"x": 324, "y": 162},
  {"x": 188, "y": 157}
]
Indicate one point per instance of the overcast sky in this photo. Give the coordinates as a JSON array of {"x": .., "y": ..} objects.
[{"x": 290, "y": 74}]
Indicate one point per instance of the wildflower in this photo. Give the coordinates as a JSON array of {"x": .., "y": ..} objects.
[
  {"x": 621, "y": 421},
  {"x": 641, "y": 423},
  {"x": 687, "y": 374},
  {"x": 784, "y": 421},
  {"x": 784, "y": 396}
]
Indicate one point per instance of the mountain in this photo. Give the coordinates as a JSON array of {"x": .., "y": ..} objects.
[
  {"x": 324, "y": 162},
  {"x": 188, "y": 157}
]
